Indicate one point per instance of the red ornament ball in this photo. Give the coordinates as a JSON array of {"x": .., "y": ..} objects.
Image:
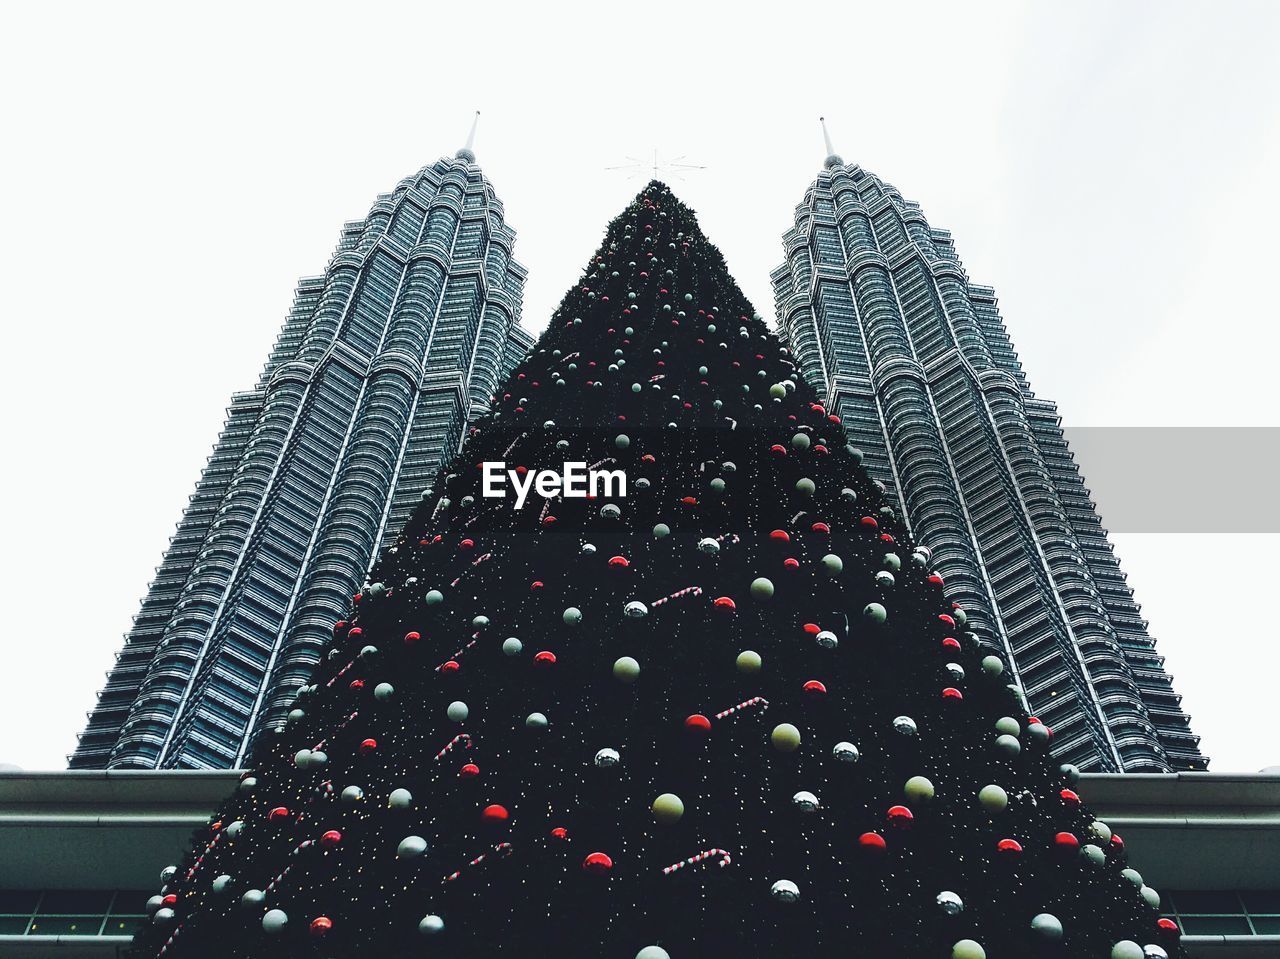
[
  {"x": 411, "y": 637},
  {"x": 1009, "y": 849},
  {"x": 1065, "y": 842},
  {"x": 619, "y": 562},
  {"x": 1168, "y": 928},
  {"x": 814, "y": 689},
  {"x": 279, "y": 814},
  {"x": 791, "y": 563},
  {"x": 872, "y": 842},
  {"x": 780, "y": 536},
  {"x": 452, "y": 666},
  {"x": 368, "y": 746},
  {"x": 320, "y": 926},
  {"x": 900, "y": 817},
  {"x": 698, "y": 723},
  {"x": 495, "y": 813},
  {"x": 469, "y": 771},
  {"x": 544, "y": 659},
  {"x": 951, "y": 694},
  {"x": 869, "y": 522},
  {"x": 822, "y": 528},
  {"x": 1070, "y": 798},
  {"x": 946, "y": 620},
  {"x": 724, "y": 604},
  {"x": 331, "y": 839},
  {"x": 467, "y": 545},
  {"x": 598, "y": 864},
  {"x": 170, "y": 900},
  {"x": 951, "y": 644},
  {"x": 560, "y": 833}
]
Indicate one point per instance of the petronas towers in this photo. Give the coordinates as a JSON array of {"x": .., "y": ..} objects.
[{"x": 415, "y": 325}]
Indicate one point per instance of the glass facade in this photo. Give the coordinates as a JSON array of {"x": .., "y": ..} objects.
[
  {"x": 379, "y": 366},
  {"x": 71, "y": 912},
  {"x": 879, "y": 312}
]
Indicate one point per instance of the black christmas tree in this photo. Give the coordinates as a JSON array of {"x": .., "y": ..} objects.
[{"x": 727, "y": 713}]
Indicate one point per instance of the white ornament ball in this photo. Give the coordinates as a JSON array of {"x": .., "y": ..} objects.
[
  {"x": 653, "y": 952},
  {"x": 1008, "y": 726},
  {"x": 274, "y": 921},
  {"x": 458, "y": 711},
  {"x": 806, "y": 801},
  {"x": 785, "y": 738},
  {"x": 221, "y": 884},
  {"x": 761, "y": 589},
  {"x": 1126, "y": 949},
  {"x": 536, "y": 721},
  {"x": 234, "y": 829},
  {"x": 384, "y": 692},
  {"x": 661, "y": 530},
  {"x": 992, "y": 665},
  {"x": 918, "y": 789},
  {"x": 1047, "y": 927},
  {"x": 709, "y": 546},
  {"x": 668, "y": 808},
  {"x": 400, "y": 799},
  {"x": 993, "y": 798},
  {"x": 1152, "y": 951},
  {"x": 846, "y": 752},
  {"x": 968, "y": 949},
  {"x": 163, "y": 916},
  {"x": 253, "y": 898},
  {"x": 832, "y": 564},
  {"x": 512, "y": 646},
  {"x": 905, "y": 725},
  {"x": 607, "y": 758},
  {"x": 1150, "y": 897},
  {"x": 950, "y": 903},
  {"x": 1133, "y": 876},
  {"x": 784, "y": 890},
  {"x": 411, "y": 847},
  {"x": 352, "y": 794},
  {"x": 827, "y": 639},
  {"x": 1100, "y": 831},
  {"x": 626, "y": 669},
  {"x": 885, "y": 579},
  {"x": 572, "y": 616},
  {"x": 749, "y": 661},
  {"x": 635, "y": 610},
  {"x": 431, "y": 925},
  {"x": 806, "y": 487},
  {"x": 1092, "y": 855},
  {"x": 1008, "y": 745}
]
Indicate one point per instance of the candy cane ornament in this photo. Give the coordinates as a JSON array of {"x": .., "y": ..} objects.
[
  {"x": 457, "y": 655},
  {"x": 753, "y": 701},
  {"x": 501, "y": 849},
  {"x": 461, "y": 739},
  {"x": 474, "y": 563},
  {"x": 687, "y": 591},
  {"x": 725, "y": 859}
]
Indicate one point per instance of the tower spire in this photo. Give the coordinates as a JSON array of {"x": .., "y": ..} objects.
[
  {"x": 467, "y": 152},
  {"x": 833, "y": 159}
]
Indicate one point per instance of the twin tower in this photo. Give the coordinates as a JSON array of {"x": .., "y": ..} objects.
[{"x": 415, "y": 324}]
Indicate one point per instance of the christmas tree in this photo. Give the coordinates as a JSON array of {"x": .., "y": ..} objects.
[{"x": 726, "y": 711}]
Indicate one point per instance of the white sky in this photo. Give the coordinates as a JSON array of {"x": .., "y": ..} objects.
[{"x": 168, "y": 174}]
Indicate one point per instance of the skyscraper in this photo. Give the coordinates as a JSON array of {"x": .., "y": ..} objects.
[
  {"x": 376, "y": 371},
  {"x": 916, "y": 360}
]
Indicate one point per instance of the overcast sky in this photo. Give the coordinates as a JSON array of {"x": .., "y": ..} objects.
[{"x": 168, "y": 174}]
